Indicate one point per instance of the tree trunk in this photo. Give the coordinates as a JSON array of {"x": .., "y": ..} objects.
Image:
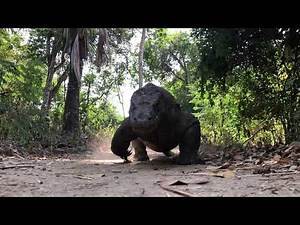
[
  {"x": 141, "y": 57},
  {"x": 45, "y": 104},
  {"x": 52, "y": 51},
  {"x": 71, "y": 122},
  {"x": 51, "y": 55}
]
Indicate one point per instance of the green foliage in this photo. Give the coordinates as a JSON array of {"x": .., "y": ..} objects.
[
  {"x": 223, "y": 122},
  {"x": 23, "y": 123},
  {"x": 170, "y": 56},
  {"x": 218, "y": 114},
  {"x": 20, "y": 89},
  {"x": 182, "y": 94},
  {"x": 23, "y": 70},
  {"x": 102, "y": 117},
  {"x": 96, "y": 113},
  {"x": 266, "y": 64},
  {"x": 233, "y": 79},
  {"x": 172, "y": 59}
]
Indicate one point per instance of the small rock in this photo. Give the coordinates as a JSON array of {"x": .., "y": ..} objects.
[
  {"x": 292, "y": 168},
  {"x": 44, "y": 168},
  {"x": 262, "y": 170}
]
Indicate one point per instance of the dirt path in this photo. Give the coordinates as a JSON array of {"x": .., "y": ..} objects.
[{"x": 106, "y": 175}]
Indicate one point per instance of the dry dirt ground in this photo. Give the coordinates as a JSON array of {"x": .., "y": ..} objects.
[{"x": 102, "y": 174}]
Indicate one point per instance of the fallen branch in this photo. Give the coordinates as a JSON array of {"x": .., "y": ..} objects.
[
  {"x": 281, "y": 173},
  {"x": 83, "y": 177},
  {"x": 75, "y": 176},
  {"x": 208, "y": 174},
  {"x": 182, "y": 193},
  {"x": 16, "y": 166},
  {"x": 269, "y": 174},
  {"x": 247, "y": 168},
  {"x": 256, "y": 132},
  {"x": 18, "y": 155}
]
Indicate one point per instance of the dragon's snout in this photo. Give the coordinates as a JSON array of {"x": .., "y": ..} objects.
[
  {"x": 143, "y": 118},
  {"x": 145, "y": 121}
]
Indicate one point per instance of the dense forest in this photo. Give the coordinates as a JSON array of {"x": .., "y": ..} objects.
[{"x": 242, "y": 84}]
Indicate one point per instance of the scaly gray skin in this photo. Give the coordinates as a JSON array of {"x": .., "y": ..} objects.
[{"x": 156, "y": 121}]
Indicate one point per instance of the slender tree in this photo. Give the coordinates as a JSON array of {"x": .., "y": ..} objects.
[{"x": 141, "y": 57}]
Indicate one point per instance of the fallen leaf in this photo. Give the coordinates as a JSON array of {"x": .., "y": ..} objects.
[
  {"x": 217, "y": 175},
  {"x": 276, "y": 157},
  {"x": 225, "y": 165},
  {"x": 177, "y": 182},
  {"x": 188, "y": 181},
  {"x": 225, "y": 174},
  {"x": 180, "y": 192},
  {"x": 269, "y": 162},
  {"x": 296, "y": 190},
  {"x": 292, "y": 168},
  {"x": 202, "y": 182},
  {"x": 213, "y": 167}
]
